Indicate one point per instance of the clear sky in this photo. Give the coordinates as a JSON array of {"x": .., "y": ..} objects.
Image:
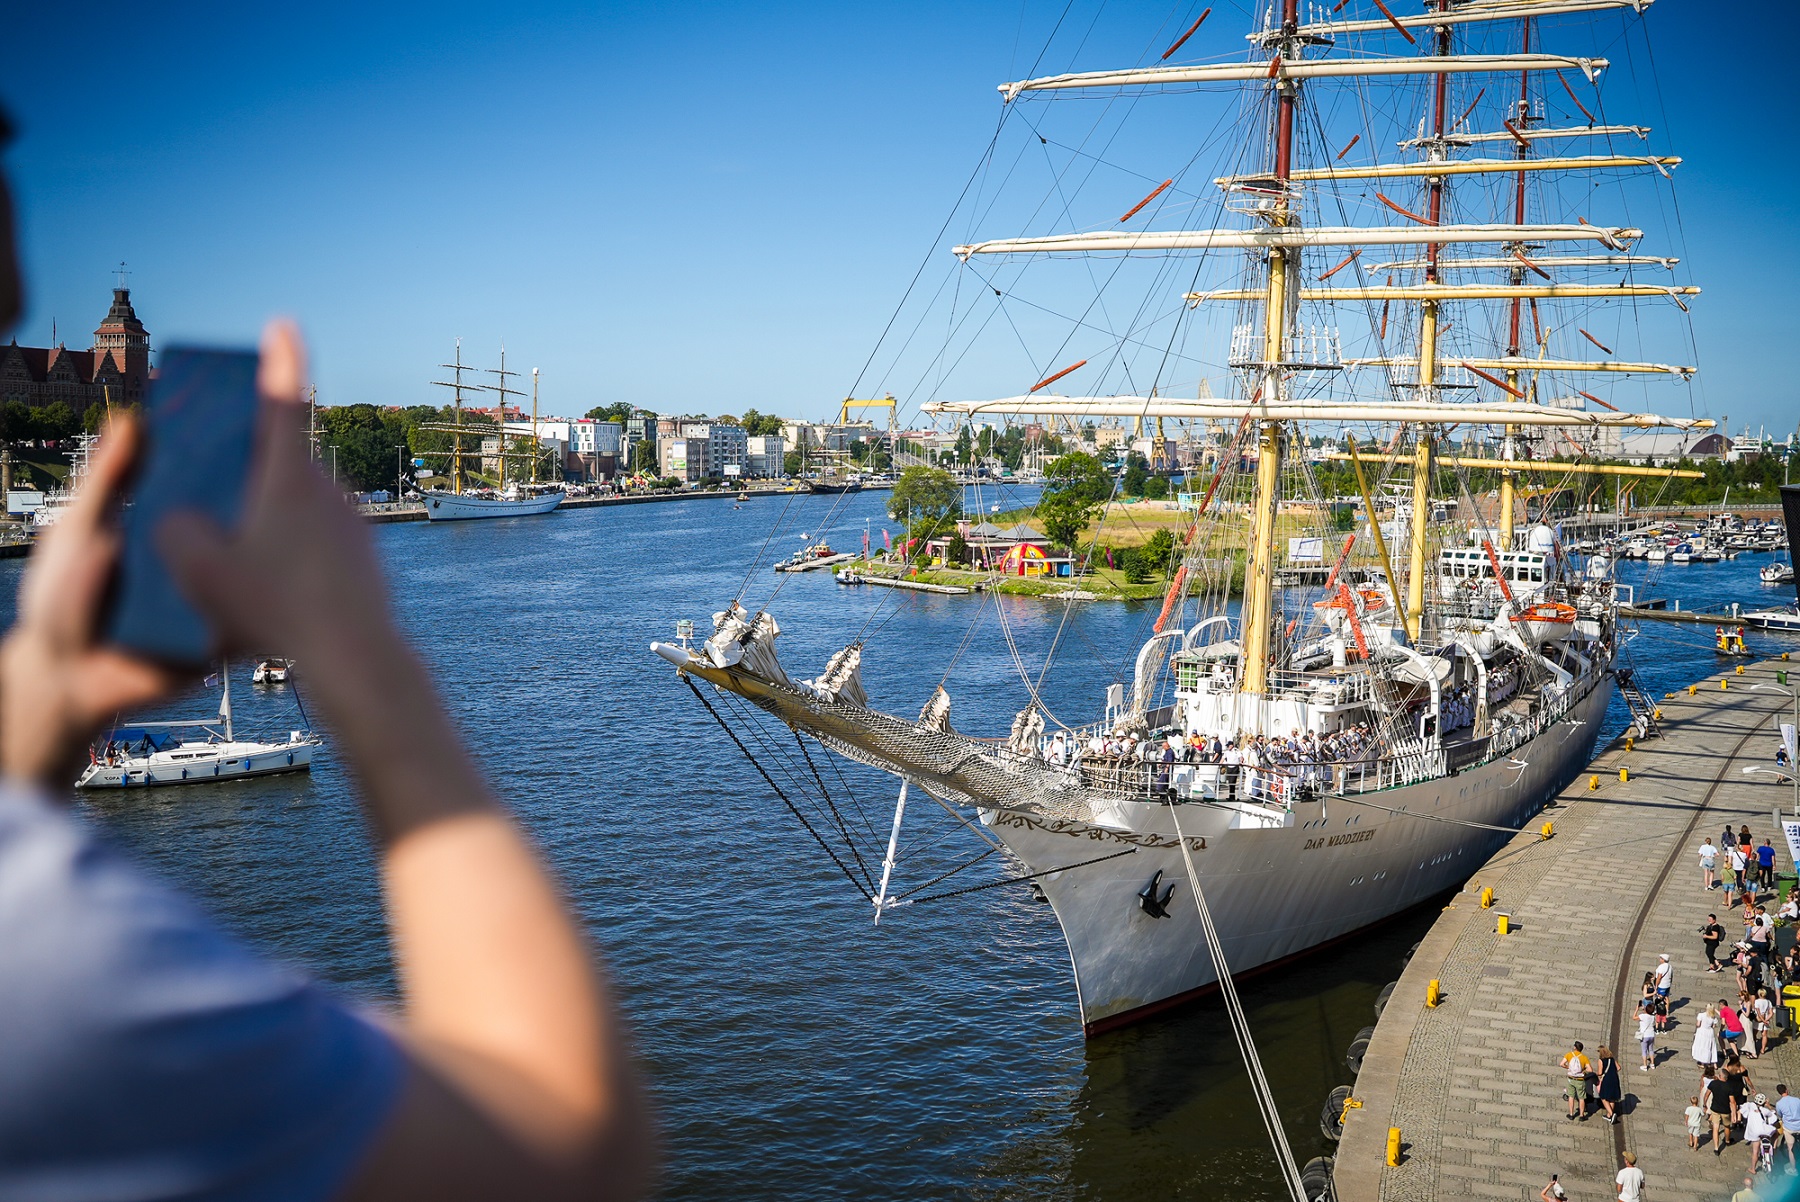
[{"x": 699, "y": 208}]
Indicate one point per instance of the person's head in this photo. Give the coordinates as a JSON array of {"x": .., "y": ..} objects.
[
  {"x": 1628, "y": 1157},
  {"x": 1782, "y": 1090},
  {"x": 1578, "y": 1045},
  {"x": 1605, "y": 1053},
  {"x": 1712, "y": 918},
  {"x": 12, "y": 290},
  {"x": 1694, "y": 1101},
  {"x": 1762, "y": 1099}
]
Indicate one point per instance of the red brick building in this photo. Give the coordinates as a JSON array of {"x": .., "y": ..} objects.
[{"x": 117, "y": 368}]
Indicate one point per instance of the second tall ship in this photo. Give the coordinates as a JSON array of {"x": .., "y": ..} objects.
[
  {"x": 513, "y": 497},
  {"x": 1289, "y": 768}
]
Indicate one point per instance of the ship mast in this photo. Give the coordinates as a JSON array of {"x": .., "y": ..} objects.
[
  {"x": 504, "y": 392},
  {"x": 456, "y": 454},
  {"x": 1427, "y": 392},
  {"x": 1517, "y": 274},
  {"x": 1259, "y": 575}
]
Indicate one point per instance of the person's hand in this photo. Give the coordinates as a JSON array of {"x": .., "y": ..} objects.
[
  {"x": 58, "y": 683},
  {"x": 298, "y": 575}
]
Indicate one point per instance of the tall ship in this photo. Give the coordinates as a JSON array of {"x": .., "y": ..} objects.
[
  {"x": 517, "y": 494},
  {"x": 1375, "y": 660}
]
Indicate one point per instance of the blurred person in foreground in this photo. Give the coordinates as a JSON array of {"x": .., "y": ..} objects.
[{"x": 147, "y": 1054}]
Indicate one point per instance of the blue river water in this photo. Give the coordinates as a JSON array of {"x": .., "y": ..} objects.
[{"x": 795, "y": 1049}]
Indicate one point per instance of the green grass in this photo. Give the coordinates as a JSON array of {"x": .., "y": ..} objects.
[{"x": 1105, "y": 583}]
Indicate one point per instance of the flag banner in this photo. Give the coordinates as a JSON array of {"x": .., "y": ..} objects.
[
  {"x": 885, "y": 540},
  {"x": 212, "y": 679},
  {"x": 1791, "y": 829}
]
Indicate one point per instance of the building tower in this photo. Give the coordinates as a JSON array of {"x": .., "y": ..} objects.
[{"x": 122, "y": 352}]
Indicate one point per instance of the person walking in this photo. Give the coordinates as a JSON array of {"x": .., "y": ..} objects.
[
  {"x": 1665, "y": 980},
  {"x": 1695, "y": 1114},
  {"x": 1553, "y": 1192},
  {"x": 1759, "y": 1124},
  {"x": 1608, "y": 1091},
  {"x": 1765, "y": 865},
  {"x": 1709, "y": 864},
  {"x": 1762, "y": 1018},
  {"x": 1630, "y": 1179},
  {"x": 1576, "y": 1066},
  {"x": 1731, "y": 1028},
  {"x": 1646, "y": 1033},
  {"x": 1711, "y": 935},
  {"x": 1706, "y": 1042},
  {"x": 1737, "y": 880},
  {"x": 1737, "y": 1078},
  {"x": 1718, "y": 1110},
  {"x": 1748, "y": 1193},
  {"x": 1787, "y": 1109}
]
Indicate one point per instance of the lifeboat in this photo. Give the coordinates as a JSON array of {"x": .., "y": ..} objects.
[{"x": 1545, "y": 621}]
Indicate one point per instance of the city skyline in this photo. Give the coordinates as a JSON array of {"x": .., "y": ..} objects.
[{"x": 705, "y": 212}]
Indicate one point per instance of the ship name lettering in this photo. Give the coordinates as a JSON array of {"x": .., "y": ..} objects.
[{"x": 1339, "y": 840}]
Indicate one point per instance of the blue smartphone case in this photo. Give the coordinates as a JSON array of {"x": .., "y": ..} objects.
[{"x": 199, "y": 433}]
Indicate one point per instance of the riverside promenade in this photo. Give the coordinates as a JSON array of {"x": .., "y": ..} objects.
[{"x": 1474, "y": 1084}]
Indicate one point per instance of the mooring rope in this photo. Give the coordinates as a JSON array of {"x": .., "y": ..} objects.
[{"x": 1240, "y": 1026}]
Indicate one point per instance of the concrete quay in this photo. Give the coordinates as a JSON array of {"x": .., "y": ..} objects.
[{"x": 1474, "y": 1084}]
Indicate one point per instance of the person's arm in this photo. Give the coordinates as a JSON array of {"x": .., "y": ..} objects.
[{"x": 518, "y": 1081}]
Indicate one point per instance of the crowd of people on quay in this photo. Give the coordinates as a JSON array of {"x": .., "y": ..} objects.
[{"x": 1727, "y": 1105}]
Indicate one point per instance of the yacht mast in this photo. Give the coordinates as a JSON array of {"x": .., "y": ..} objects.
[
  {"x": 456, "y": 384},
  {"x": 1259, "y": 575}
]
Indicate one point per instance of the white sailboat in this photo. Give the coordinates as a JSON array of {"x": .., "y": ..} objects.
[
  {"x": 1280, "y": 773},
  {"x": 196, "y": 751}
]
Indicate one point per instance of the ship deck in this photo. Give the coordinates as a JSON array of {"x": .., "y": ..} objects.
[{"x": 1473, "y": 1084}]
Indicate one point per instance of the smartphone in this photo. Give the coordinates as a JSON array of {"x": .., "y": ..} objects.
[{"x": 199, "y": 430}]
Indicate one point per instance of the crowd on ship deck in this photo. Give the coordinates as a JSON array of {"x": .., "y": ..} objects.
[{"x": 1256, "y": 767}]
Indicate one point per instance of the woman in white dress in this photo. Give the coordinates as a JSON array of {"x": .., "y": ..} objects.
[{"x": 1706, "y": 1040}]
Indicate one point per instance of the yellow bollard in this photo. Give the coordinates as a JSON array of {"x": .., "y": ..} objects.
[
  {"x": 1546, "y": 830},
  {"x": 1629, "y": 742},
  {"x": 1623, "y": 776},
  {"x": 1723, "y": 683},
  {"x": 1784, "y": 655},
  {"x": 1349, "y": 1105},
  {"x": 1393, "y": 1147},
  {"x": 1593, "y": 783},
  {"x": 1740, "y": 670},
  {"x": 1504, "y": 925},
  {"x": 1668, "y": 696},
  {"x": 1487, "y": 898},
  {"x": 1433, "y": 995},
  {"x": 1692, "y": 689},
  {"x": 1657, "y": 713}
]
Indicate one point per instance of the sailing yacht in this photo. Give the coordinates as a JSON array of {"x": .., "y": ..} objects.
[
  {"x": 1280, "y": 771},
  {"x": 190, "y": 752}
]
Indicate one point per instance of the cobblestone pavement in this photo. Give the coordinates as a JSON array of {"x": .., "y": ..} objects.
[{"x": 1474, "y": 1084}]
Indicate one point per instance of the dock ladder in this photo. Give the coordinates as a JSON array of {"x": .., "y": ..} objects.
[{"x": 1643, "y": 710}]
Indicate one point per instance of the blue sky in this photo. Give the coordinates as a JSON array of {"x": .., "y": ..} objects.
[{"x": 707, "y": 208}]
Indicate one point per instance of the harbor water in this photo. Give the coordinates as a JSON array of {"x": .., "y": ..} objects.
[{"x": 796, "y": 1050}]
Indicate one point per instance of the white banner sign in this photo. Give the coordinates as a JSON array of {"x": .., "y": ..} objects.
[
  {"x": 1787, "y": 741},
  {"x": 1791, "y": 829}
]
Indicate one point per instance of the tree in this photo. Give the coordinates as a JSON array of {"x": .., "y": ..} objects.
[
  {"x": 1137, "y": 470},
  {"x": 1156, "y": 488},
  {"x": 618, "y": 411},
  {"x": 965, "y": 447},
  {"x": 758, "y": 425},
  {"x": 366, "y": 439},
  {"x": 643, "y": 455},
  {"x": 793, "y": 463},
  {"x": 1159, "y": 551},
  {"x": 929, "y": 496},
  {"x": 1075, "y": 487},
  {"x": 956, "y": 550}
]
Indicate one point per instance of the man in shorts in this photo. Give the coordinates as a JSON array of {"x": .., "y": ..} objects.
[
  {"x": 1787, "y": 1109},
  {"x": 1577, "y": 1066}
]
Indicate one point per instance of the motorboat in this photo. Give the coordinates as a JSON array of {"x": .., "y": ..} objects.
[{"x": 273, "y": 670}]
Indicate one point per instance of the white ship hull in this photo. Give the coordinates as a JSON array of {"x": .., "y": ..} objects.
[
  {"x": 199, "y": 763},
  {"x": 1335, "y": 868},
  {"x": 452, "y": 507}
]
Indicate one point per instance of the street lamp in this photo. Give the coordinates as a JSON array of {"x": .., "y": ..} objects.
[
  {"x": 399, "y": 471},
  {"x": 1793, "y": 772},
  {"x": 334, "y": 474}
]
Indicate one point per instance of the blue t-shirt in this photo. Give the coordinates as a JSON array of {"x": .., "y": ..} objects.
[
  {"x": 1788, "y": 1107},
  {"x": 146, "y": 1054},
  {"x": 1765, "y": 855}
]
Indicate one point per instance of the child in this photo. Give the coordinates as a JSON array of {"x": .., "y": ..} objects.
[{"x": 1696, "y": 1122}]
